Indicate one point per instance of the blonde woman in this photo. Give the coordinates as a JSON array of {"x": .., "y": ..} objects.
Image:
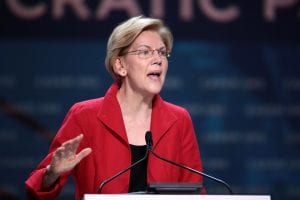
[{"x": 101, "y": 137}]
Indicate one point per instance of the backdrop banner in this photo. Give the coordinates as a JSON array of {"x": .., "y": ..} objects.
[{"x": 234, "y": 66}]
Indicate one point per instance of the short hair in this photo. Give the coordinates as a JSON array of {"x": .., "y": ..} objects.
[{"x": 124, "y": 35}]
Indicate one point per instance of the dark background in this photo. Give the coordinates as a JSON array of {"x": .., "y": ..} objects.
[{"x": 239, "y": 78}]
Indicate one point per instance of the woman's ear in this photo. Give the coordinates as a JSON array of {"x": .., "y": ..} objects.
[{"x": 119, "y": 68}]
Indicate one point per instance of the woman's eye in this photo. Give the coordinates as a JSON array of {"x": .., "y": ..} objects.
[
  {"x": 145, "y": 52},
  {"x": 163, "y": 53}
]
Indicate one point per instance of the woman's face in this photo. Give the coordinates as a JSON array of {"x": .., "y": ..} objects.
[{"x": 146, "y": 69}]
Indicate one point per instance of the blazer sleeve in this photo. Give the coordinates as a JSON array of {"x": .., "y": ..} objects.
[{"x": 68, "y": 130}]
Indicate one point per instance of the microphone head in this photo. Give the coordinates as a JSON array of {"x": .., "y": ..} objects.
[{"x": 149, "y": 141}]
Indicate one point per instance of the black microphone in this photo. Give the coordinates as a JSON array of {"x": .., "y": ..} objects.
[
  {"x": 149, "y": 143},
  {"x": 122, "y": 171}
]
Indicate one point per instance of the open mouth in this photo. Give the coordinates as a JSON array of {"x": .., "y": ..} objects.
[{"x": 154, "y": 74}]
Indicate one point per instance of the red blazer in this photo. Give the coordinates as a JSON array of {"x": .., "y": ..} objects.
[{"x": 101, "y": 122}]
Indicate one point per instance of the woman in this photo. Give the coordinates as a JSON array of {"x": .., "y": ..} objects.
[{"x": 100, "y": 137}]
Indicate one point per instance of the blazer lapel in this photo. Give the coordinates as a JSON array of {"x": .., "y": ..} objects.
[
  {"x": 110, "y": 113},
  {"x": 161, "y": 120}
]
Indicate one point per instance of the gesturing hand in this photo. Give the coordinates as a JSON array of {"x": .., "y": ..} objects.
[{"x": 64, "y": 159}]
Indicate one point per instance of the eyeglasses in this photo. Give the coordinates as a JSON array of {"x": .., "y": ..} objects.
[{"x": 148, "y": 52}]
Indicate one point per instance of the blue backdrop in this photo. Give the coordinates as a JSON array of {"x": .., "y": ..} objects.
[{"x": 235, "y": 67}]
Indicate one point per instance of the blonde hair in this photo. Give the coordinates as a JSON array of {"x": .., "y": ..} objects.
[{"x": 125, "y": 34}]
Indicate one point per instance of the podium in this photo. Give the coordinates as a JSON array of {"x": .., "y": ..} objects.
[{"x": 173, "y": 197}]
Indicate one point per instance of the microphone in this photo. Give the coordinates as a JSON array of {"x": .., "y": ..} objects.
[
  {"x": 149, "y": 143},
  {"x": 122, "y": 171}
]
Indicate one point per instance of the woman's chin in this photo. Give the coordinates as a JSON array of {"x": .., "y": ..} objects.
[{"x": 154, "y": 90}]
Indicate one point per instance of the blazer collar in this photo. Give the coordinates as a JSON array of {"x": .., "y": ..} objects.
[
  {"x": 110, "y": 113},
  {"x": 162, "y": 118}
]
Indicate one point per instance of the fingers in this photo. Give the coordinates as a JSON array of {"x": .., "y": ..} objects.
[
  {"x": 65, "y": 158},
  {"x": 70, "y": 146}
]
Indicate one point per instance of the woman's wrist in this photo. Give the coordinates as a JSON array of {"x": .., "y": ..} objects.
[
  {"x": 50, "y": 177},
  {"x": 48, "y": 171}
]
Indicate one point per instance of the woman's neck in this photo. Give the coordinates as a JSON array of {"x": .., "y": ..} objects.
[
  {"x": 136, "y": 113},
  {"x": 133, "y": 103}
]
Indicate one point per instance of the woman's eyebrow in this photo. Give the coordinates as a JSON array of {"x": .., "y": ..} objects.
[{"x": 143, "y": 45}]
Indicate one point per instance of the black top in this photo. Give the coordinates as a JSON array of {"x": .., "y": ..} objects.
[{"x": 138, "y": 174}]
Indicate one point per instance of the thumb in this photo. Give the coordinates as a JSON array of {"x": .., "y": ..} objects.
[{"x": 83, "y": 153}]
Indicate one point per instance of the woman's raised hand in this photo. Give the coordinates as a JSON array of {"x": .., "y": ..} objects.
[{"x": 64, "y": 159}]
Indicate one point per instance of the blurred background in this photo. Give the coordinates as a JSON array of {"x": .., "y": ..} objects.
[{"x": 235, "y": 66}]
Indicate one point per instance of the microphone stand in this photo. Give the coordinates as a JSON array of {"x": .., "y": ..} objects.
[
  {"x": 122, "y": 172},
  {"x": 149, "y": 143},
  {"x": 194, "y": 171}
]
